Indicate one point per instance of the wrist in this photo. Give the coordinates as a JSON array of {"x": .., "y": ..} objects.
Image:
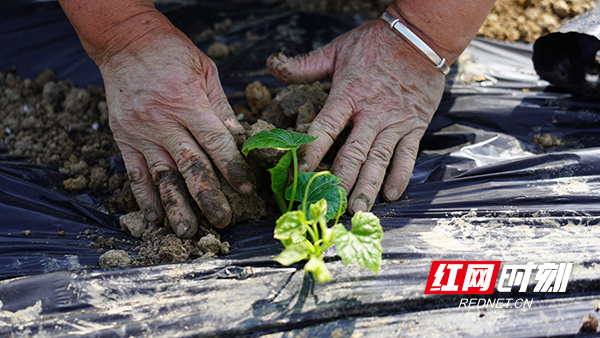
[
  {"x": 439, "y": 62},
  {"x": 107, "y": 27},
  {"x": 401, "y": 47},
  {"x": 447, "y": 27}
]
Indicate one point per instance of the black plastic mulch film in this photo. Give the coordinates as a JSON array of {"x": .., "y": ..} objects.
[{"x": 482, "y": 189}]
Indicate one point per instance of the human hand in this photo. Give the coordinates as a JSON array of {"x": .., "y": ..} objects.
[
  {"x": 170, "y": 118},
  {"x": 386, "y": 89}
]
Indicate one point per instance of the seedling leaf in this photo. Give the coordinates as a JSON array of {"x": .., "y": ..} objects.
[
  {"x": 293, "y": 253},
  {"x": 289, "y": 225},
  {"x": 324, "y": 186},
  {"x": 318, "y": 209},
  {"x": 363, "y": 243},
  {"x": 280, "y": 173},
  {"x": 276, "y": 138}
]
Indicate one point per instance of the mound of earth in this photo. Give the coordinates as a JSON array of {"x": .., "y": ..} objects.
[{"x": 527, "y": 20}]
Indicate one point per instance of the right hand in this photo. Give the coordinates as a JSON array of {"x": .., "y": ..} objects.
[
  {"x": 170, "y": 118},
  {"x": 382, "y": 87}
]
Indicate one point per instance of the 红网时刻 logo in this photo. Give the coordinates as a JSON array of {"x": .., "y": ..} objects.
[{"x": 480, "y": 277}]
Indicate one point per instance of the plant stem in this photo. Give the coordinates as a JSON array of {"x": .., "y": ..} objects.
[
  {"x": 313, "y": 235},
  {"x": 295, "y": 157},
  {"x": 339, "y": 213},
  {"x": 327, "y": 245},
  {"x": 307, "y": 190},
  {"x": 318, "y": 239},
  {"x": 281, "y": 202},
  {"x": 323, "y": 227}
]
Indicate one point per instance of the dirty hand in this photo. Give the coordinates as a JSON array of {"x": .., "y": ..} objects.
[
  {"x": 385, "y": 90},
  {"x": 170, "y": 118}
]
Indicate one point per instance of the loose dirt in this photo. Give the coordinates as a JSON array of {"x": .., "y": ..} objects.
[
  {"x": 527, "y": 20},
  {"x": 52, "y": 122},
  {"x": 509, "y": 20}
]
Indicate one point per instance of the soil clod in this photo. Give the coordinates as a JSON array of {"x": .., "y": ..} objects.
[{"x": 114, "y": 259}]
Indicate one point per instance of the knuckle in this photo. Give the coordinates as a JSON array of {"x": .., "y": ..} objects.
[
  {"x": 137, "y": 176},
  {"x": 166, "y": 177},
  {"x": 355, "y": 150},
  {"x": 380, "y": 155},
  {"x": 351, "y": 157},
  {"x": 217, "y": 143},
  {"x": 222, "y": 108},
  {"x": 328, "y": 126},
  {"x": 160, "y": 173},
  {"x": 197, "y": 167},
  {"x": 212, "y": 67},
  {"x": 408, "y": 152},
  {"x": 185, "y": 161},
  {"x": 412, "y": 153},
  {"x": 172, "y": 191}
]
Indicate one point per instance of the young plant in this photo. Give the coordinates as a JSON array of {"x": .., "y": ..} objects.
[
  {"x": 282, "y": 140},
  {"x": 323, "y": 199}
]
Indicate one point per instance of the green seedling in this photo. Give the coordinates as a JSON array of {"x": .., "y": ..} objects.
[
  {"x": 282, "y": 140},
  {"x": 322, "y": 200}
]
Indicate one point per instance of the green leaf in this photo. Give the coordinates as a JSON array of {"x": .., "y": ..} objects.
[
  {"x": 325, "y": 186},
  {"x": 327, "y": 235},
  {"x": 293, "y": 253},
  {"x": 318, "y": 209},
  {"x": 299, "y": 239},
  {"x": 276, "y": 138},
  {"x": 363, "y": 243},
  {"x": 280, "y": 173},
  {"x": 290, "y": 225},
  {"x": 319, "y": 270}
]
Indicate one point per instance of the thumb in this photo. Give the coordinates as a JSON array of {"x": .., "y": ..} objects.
[{"x": 305, "y": 68}]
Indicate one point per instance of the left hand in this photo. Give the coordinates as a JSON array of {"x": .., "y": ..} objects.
[{"x": 386, "y": 89}]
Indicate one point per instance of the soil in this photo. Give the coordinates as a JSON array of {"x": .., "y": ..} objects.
[
  {"x": 589, "y": 325},
  {"x": 527, "y": 20},
  {"x": 509, "y": 20},
  {"x": 52, "y": 122}
]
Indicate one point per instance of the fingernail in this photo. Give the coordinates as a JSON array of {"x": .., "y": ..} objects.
[
  {"x": 392, "y": 194},
  {"x": 359, "y": 205},
  {"x": 180, "y": 228},
  {"x": 303, "y": 167},
  {"x": 281, "y": 57},
  {"x": 151, "y": 215},
  {"x": 246, "y": 188},
  {"x": 184, "y": 229}
]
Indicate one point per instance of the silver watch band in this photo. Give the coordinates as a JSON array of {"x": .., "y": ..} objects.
[{"x": 439, "y": 62}]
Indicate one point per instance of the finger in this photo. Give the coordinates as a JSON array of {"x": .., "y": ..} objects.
[
  {"x": 328, "y": 124},
  {"x": 200, "y": 179},
  {"x": 373, "y": 170},
  {"x": 402, "y": 165},
  {"x": 142, "y": 184},
  {"x": 353, "y": 153},
  {"x": 305, "y": 68},
  {"x": 220, "y": 105},
  {"x": 173, "y": 193},
  {"x": 220, "y": 146}
]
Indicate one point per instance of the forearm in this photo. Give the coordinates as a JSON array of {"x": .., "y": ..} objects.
[
  {"x": 446, "y": 26},
  {"x": 106, "y": 27}
]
